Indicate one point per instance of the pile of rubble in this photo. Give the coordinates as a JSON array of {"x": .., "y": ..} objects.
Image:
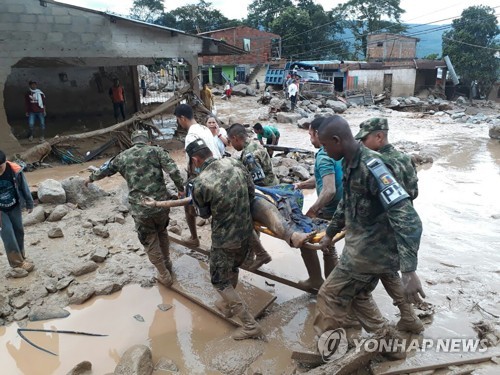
[
  {"x": 157, "y": 82},
  {"x": 293, "y": 167}
]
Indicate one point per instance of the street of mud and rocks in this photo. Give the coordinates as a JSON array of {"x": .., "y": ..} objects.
[{"x": 92, "y": 274}]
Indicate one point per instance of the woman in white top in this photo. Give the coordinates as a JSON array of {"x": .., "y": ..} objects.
[{"x": 220, "y": 134}]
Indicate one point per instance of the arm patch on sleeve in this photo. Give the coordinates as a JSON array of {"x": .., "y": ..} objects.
[{"x": 390, "y": 191}]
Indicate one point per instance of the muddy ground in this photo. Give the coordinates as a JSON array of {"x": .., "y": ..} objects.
[{"x": 459, "y": 265}]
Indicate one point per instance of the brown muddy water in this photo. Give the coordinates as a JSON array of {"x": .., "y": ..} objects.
[{"x": 459, "y": 266}]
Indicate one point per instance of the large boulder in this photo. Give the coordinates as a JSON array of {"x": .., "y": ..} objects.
[
  {"x": 79, "y": 194},
  {"x": 35, "y": 217},
  {"x": 284, "y": 117},
  {"x": 137, "y": 360},
  {"x": 494, "y": 131},
  {"x": 59, "y": 212},
  {"x": 51, "y": 191},
  {"x": 337, "y": 106},
  {"x": 243, "y": 90}
]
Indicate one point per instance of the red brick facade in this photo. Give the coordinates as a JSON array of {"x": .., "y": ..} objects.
[{"x": 260, "y": 46}]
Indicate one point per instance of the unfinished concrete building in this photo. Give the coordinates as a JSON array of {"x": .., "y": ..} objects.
[
  {"x": 390, "y": 47},
  {"x": 74, "y": 54}
]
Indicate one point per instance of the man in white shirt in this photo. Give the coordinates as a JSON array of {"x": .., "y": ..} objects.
[
  {"x": 292, "y": 93},
  {"x": 185, "y": 119}
]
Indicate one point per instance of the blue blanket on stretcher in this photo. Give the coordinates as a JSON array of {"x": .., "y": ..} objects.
[{"x": 290, "y": 203}]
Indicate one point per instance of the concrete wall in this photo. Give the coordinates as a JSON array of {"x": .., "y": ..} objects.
[
  {"x": 403, "y": 80},
  {"x": 54, "y": 35},
  {"x": 425, "y": 79}
]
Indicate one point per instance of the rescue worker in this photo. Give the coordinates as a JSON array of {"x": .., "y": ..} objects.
[
  {"x": 142, "y": 167},
  {"x": 327, "y": 180},
  {"x": 383, "y": 235},
  {"x": 224, "y": 190},
  {"x": 185, "y": 119},
  {"x": 251, "y": 153},
  {"x": 374, "y": 135}
]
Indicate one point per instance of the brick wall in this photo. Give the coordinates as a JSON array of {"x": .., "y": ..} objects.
[
  {"x": 391, "y": 46},
  {"x": 260, "y": 46}
]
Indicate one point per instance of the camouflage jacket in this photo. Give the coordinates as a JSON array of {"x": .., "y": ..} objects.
[
  {"x": 262, "y": 157},
  {"x": 377, "y": 241},
  {"x": 403, "y": 167},
  {"x": 142, "y": 167},
  {"x": 226, "y": 187}
]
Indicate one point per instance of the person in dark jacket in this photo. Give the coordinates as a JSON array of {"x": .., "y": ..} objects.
[
  {"x": 34, "y": 101},
  {"x": 14, "y": 194}
]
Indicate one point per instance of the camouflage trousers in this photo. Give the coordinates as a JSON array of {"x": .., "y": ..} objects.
[
  {"x": 153, "y": 235},
  {"x": 225, "y": 263},
  {"x": 345, "y": 293}
]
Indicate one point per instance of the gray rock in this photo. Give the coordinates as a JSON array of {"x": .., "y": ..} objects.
[
  {"x": 5, "y": 308},
  {"x": 98, "y": 220},
  {"x": 64, "y": 282},
  {"x": 305, "y": 103},
  {"x": 83, "y": 368},
  {"x": 495, "y": 216},
  {"x": 58, "y": 213},
  {"x": 105, "y": 288},
  {"x": 79, "y": 194},
  {"x": 458, "y": 115},
  {"x": 100, "y": 255},
  {"x": 111, "y": 268},
  {"x": 47, "y": 312},
  {"x": 281, "y": 171},
  {"x": 303, "y": 123},
  {"x": 287, "y": 180},
  {"x": 237, "y": 360},
  {"x": 312, "y": 107},
  {"x": 139, "y": 318},
  {"x": 101, "y": 231},
  {"x": 36, "y": 292},
  {"x": 51, "y": 191},
  {"x": 242, "y": 90},
  {"x": 288, "y": 162},
  {"x": 80, "y": 293},
  {"x": 35, "y": 217},
  {"x": 414, "y": 100},
  {"x": 137, "y": 360},
  {"x": 19, "y": 302},
  {"x": 164, "y": 306},
  {"x": 50, "y": 285},
  {"x": 287, "y": 118},
  {"x": 74, "y": 214},
  {"x": 82, "y": 269},
  {"x": 337, "y": 106},
  {"x": 55, "y": 233},
  {"x": 461, "y": 100},
  {"x": 22, "y": 314},
  {"x": 326, "y": 112},
  {"x": 119, "y": 218},
  {"x": 175, "y": 229},
  {"x": 165, "y": 364},
  {"x": 395, "y": 103},
  {"x": 123, "y": 209},
  {"x": 87, "y": 225},
  {"x": 301, "y": 172},
  {"x": 494, "y": 132}
]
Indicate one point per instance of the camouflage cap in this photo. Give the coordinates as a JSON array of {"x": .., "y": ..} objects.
[
  {"x": 195, "y": 146},
  {"x": 371, "y": 125},
  {"x": 140, "y": 136}
]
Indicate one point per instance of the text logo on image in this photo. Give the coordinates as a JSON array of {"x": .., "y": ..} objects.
[{"x": 332, "y": 344}]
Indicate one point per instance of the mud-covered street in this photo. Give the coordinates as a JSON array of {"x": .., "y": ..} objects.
[{"x": 459, "y": 266}]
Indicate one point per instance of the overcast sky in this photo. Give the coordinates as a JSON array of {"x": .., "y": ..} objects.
[{"x": 417, "y": 11}]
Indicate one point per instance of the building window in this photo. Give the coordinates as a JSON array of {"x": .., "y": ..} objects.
[
  {"x": 246, "y": 44},
  {"x": 380, "y": 44}
]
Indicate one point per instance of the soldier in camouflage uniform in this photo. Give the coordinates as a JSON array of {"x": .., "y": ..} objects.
[
  {"x": 238, "y": 137},
  {"x": 142, "y": 167},
  {"x": 374, "y": 135},
  {"x": 224, "y": 190},
  {"x": 383, "y": 234}
]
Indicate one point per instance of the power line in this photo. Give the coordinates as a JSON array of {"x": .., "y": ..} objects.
[{"x": 472, "y": 45}]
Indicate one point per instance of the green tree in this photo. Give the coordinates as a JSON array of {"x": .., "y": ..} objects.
[
  {"x": 196, "y": 18},
  {"x": 147, "y": 10},
  {"x": 308, "y": 32},
  {"x": 472, "y": 47},
  {"x": 262, "y": 12},
  {"x": 431, "y": 56},
  {"x": 368, "y": 16}
]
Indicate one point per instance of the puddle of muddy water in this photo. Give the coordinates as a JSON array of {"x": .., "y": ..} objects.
[{"x": 180, "y": 334}]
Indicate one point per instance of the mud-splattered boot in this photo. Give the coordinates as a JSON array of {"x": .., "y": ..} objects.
[
  {"x": 261, "y": 255},
  {"x": 251, "y": 329},
  {"x": 313, "y": 267},
  {"x": 223, "y": 307},
  {"x": 330, "y": 261},
  {"x": 409, "y": 321}
]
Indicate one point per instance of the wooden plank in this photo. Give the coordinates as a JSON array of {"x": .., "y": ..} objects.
[
  {"x": 435, "y": 366},
  {"x": 192, "y": 280},
  {"x": 205, "y": 251}
]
